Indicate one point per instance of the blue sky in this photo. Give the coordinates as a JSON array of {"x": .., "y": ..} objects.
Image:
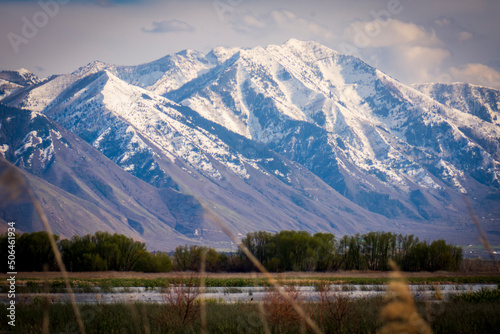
[{"x": 412, "y": 40}]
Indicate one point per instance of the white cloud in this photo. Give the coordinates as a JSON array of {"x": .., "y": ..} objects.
[
  {"x": 277, "y": 21},
  {"x": 407, "y": 51},
  {"x": 424, "y": 63},
  {"x": 478, "y": 74},
  {"x": 375, "y": 34},
  {"x": 443, "y": 22},
  {"x": 425, "y": 55},
  {"x": 465, "y": 35},
  {"x": 169, "y": 26},
  {"x": 252, "y": 21}
]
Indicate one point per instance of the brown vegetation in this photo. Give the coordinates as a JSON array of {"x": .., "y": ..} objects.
[
  {"x": 287, "y": 275},
  {"x": 334, "y": 308},
  {"x": 179, "y": 302},
  {"x": 279, "y": 311}
]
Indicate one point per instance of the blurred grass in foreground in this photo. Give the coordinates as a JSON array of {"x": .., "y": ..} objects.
[{"x": 476, "y": 313}]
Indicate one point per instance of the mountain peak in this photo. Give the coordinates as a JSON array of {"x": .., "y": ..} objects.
[
  {"x": 92, "y": 67},
  {"x": 295, "y": 135},
  {"x": 23, "y": 71},
  {"x": 221, "y": 54},
  {"x": 299, "y": 44},
  {"x": 188, "y": 53},
  {"x": 304, "y": 50},
  {"x": 21, "y": 77}
]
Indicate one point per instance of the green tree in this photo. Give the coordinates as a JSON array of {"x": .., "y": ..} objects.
[
  {"x": 33, "y": 252},
  {"x": 73, "y": 252},
  {"x": 158, "y": 262}
]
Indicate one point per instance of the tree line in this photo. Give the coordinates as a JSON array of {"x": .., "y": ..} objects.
[
  {"x": 300, "y": 251},
  {"x": 99, "y": 252},
  {"x": 282, "y": 251}
]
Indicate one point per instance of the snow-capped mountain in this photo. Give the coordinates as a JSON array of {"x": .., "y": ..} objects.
[
  {"x": 81, "y": 190},
  {"x": 340, "y": 118},
  {"x": 287, "y": 136},
  {"x": 13, "y": 80},
  {"x": 479, "y": 101}
]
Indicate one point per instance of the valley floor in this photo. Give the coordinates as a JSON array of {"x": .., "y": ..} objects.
[{"x": 286, "y": 275}]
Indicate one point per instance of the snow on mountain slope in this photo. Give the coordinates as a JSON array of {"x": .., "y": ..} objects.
[
  {"x": 93, "y": 91},
  {"x": 298, "y": 119},
  {"x": 80, "y": 190},
  {"x": 21, "y": 77},
  {"x": 451, "y": 136},
  {"x": 7, "y": 87},
  {"x": 37, "y": 98},
  {"x": 159, "y": 76},
  {"x": 479, "y": 101},
  {"x": 14, "y": 80},
  {"x": 377, "y": 119},
  {"x": 167, "y": 73},
  {"x": 171, "y": 147},
  {"x": 130, "y": 116}
]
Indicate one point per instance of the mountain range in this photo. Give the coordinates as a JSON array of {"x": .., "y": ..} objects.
[{"x": 293, "y": 136}]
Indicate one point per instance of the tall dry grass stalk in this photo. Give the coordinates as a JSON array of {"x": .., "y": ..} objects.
[
  {"x": 46, "y": 305},
  {"x": 262, "y": 315},
  {"x": 273, "y": 281},
  {"x": 203, "y": 308},
  {"x": 145, "y": 319},
  {"x": 14, "y": 183},
  {"x": 134, "y": 314},
  {"x": 400, "y": 314}
]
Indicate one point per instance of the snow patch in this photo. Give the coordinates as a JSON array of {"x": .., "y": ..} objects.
[{"x": 3, "y": 149}]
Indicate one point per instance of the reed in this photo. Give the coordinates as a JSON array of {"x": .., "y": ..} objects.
[{"x": 400, "y": 315}]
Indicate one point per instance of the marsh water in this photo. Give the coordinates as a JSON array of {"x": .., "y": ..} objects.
[{"x": 240, "y": 294}]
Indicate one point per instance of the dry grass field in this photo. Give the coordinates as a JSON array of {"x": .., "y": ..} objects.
[{"x": 286, "y": 275}]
